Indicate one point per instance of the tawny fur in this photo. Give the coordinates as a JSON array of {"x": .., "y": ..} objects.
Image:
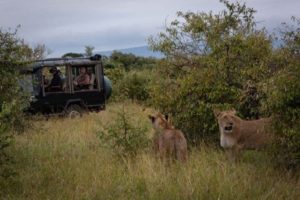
[
  {"x": 168, "y": 142},
  {"x": 237, "y": 134}
]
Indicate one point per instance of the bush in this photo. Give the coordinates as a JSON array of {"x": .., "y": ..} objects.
[
  {"x": 133, "y": 85},
  {"x": 283, "y": 101},
  {"x": 283, "y": 97},
  {"x": 210, "y": 60},
  {"x": 190, "y": 101},
  {"x": 13, "y": 53},
  {"x": 129, "y": 61},
  {"x": 124, "y": 138}
]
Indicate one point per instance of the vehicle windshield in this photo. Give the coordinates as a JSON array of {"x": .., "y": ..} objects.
[{"x": 29, "y": 84}]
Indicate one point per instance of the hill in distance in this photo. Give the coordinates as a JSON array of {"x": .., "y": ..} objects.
[{"x": 142, "y": 51}]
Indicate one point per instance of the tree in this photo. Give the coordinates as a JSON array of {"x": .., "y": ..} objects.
[
  {"x": 89, "y": 50},
  {"x": 40, "y": 51},
  {"x": 73, "y": 55},
  {"x": 223, "y": 60},
  {"x": 283, "y": 97},
  {"x": 209, "y": 60},
  {"x": 14, "y": 55},
  {"x": 126, "y": 60}
]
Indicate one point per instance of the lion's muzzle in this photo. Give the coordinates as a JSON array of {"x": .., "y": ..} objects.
[{"x": 228, "y": 127}]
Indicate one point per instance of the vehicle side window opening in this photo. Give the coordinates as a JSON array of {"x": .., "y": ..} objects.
[
  {"x": 91, "y": 73},
  {"x": 36, "y": 80},
  {"x": 100, "y": 75},
  {"x": 84, "y": 78},
  {"x": 54, "y": 79}
]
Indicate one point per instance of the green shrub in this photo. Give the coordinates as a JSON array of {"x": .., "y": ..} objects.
[
  {"x": 13, "y": 55},
  {"x": 115, "y": 74},
  {"x": 123, "y": 137},
  {"x": 283, "y": 101},
  {"x": 210, "y": 59},
  {"x": 190, "y": 101},
  {"x": 283, "y": 97},
  {"x": 133, "y": 85}
]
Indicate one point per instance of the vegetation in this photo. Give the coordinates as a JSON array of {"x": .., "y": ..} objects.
[
  {"x": 64, "y": 159},
  {"x": 73, "y": 55},
  {"x": 223, "y": 61},
  {"x": 218, "y": 61},
  {"x": 130, "y": 61},
  {"x": 212, "y": 60},
  {"x": 131, "y": 76},
  {"x": 283, "y": 98},
  {"x": 124, "y": 137},
  {"x": 87, "y": 49},
  {"x": 14, "y": 53}
]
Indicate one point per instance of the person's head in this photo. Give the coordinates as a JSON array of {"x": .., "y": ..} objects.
[
  {"x": 89, "y": 70},
  {"x": 82, "y": 70},
  {"x": 53, "y": 70}
]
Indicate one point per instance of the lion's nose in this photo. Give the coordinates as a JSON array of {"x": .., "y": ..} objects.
[{"x": 231, "y": 124}]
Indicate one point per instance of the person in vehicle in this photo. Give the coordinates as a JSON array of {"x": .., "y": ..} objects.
[
  {"x": 82, "y": 81},
  {"x": 56, "y": 82}
]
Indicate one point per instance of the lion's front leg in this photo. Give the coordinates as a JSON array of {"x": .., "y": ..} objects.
[
  {"x": 233, "y": 153},
  {"x": 230, "y": 155},
  {"x": 156, "y": 146},
  {"x": 162, "y": 150}
]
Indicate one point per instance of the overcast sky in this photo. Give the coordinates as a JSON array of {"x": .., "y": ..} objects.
[{"x": 69, "y": 25}]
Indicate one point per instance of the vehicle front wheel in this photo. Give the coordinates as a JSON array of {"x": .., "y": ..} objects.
[{"x": 74, "y": 111}]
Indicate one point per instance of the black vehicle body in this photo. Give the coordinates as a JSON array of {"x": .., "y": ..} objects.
[{"x": 48, "y": 101}]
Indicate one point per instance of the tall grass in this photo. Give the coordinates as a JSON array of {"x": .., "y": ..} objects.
[{"x": 62, "y": 159}]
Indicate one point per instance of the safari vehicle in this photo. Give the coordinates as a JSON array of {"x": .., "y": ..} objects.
[{"x": 55, "y": 86}]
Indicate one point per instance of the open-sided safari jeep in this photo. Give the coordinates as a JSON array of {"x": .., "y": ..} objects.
[{"x": 68, "y": 86}]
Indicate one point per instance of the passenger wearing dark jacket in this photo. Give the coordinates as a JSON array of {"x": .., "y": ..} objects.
[{"x": 56, "y": 82}]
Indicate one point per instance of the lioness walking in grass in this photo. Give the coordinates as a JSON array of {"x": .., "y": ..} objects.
[
  {"x": 237, "y": 134},
  {"x": 168, "y": 142}
]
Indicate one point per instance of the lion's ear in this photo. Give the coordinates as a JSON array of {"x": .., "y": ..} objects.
[
  {"x": 233, "y": 111},
  {"x": 167, "y": 117},
  {"x": 151, "y": 117},
  {"x": 217, "y": 112}
]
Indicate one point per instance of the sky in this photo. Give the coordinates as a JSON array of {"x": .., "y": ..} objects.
[{"x": 70, "y": 25}]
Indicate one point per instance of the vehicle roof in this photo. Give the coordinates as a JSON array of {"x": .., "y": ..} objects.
[{"x": 51, "y": 62}]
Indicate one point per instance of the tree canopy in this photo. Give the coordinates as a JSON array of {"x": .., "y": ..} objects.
[{"x": 222, "y": 60}]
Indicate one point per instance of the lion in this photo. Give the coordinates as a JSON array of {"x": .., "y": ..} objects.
[
  {"x": 237, "y": 134},
  {"x": 168, "y": 142}
]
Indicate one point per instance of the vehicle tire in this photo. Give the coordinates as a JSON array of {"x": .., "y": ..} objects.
[{"x": 74, "y": 111}]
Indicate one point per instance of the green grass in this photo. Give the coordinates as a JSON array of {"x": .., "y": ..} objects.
[{"x": 62, "y": 159}]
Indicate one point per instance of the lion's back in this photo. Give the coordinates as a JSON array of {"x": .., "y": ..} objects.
[{"x": 254, "y": 133}]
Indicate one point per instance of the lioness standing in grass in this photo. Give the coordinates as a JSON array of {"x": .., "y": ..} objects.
[
  {"x": 237, "y": 134},
  {"x": 168, "y": 141}
]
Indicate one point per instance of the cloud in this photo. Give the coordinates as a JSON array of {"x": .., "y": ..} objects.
[{"x": 69, "y": 25}]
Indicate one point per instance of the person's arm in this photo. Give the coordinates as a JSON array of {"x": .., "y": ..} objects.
[
  {"x": 86, "y": 80},
  {"x": 76, "y": 80}
]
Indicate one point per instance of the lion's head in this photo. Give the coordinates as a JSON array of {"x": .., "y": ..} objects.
[
  {"x": 159, "y": 121},
  {"x": 227, "y": 121}
]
